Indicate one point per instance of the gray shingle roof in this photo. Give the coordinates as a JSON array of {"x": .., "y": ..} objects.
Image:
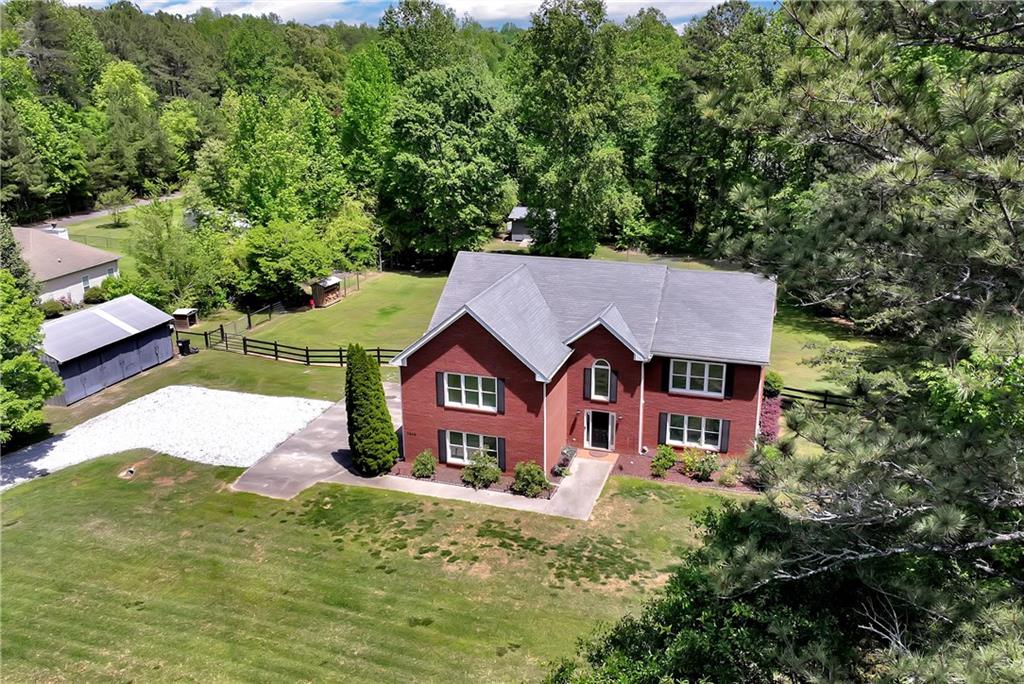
[
  {"x": 653, "y": 309},
  {"x": 528, "y": 329},
  {"x": 50, "y": 256},
  {"x": 77, "y": 334}
]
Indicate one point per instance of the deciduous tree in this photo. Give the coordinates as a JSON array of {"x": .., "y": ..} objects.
[{"x": 27, "y": 383}]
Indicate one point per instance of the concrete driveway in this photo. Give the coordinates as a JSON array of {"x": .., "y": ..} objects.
[{"x": 319, "y": 453}]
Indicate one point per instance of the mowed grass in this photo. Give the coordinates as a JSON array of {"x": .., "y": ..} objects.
[
  {"x": 171, "y": 576},
  {"x": 797, "y": 338},
  {"x": 391, "y": 310}
]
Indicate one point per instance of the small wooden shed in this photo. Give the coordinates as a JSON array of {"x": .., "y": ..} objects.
[
  {"x": 326, "y": 291},
  {"x": 185, "y": 318}
]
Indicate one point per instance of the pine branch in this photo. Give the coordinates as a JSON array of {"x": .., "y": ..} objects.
[{"x": 826, "y": 562}]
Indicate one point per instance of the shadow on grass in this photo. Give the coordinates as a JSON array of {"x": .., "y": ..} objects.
[{"x": 809, "y": 322}]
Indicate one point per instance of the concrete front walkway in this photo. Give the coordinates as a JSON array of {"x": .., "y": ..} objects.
[{"x": 319, "y": 453}]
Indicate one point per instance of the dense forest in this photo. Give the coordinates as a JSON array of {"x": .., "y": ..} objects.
[{"x": 870, "y": 156}]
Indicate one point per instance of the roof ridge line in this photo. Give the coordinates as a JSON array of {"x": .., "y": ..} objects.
[
  {"x": 657, "y": 311},
  {"x": 501, "y": 280}
]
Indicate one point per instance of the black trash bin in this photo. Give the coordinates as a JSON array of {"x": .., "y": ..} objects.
[{"x": 184, "y": 347}]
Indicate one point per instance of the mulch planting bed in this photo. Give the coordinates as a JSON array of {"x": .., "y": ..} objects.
[
  {"x": 636, "y": 465},
  {"x": 453, "y": 476}
]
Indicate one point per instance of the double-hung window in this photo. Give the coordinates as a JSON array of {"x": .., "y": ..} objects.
[
  {"x": 85, "y": 282},
  {"x": 694, "y": 431},
  {"x": 462, "y": 446},
  {"x": 697, "y": 377},
  {"x": 471, "y": 391}
]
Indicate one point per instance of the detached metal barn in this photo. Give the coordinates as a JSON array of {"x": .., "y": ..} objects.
[{"x": 101, "y": 346}]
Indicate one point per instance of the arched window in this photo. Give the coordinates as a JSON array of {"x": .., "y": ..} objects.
[{"x": 600, "y": 380}]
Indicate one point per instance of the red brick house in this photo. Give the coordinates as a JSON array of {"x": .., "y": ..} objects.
[{"x": 525, "y": 355}]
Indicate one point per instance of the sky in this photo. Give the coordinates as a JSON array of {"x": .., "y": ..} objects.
[{"x": 487, "y": 12}]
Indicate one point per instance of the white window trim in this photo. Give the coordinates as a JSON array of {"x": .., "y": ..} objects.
[
  {"x": 110, "y": 272},
  {"x": 465, "y": 461},
  {"x": 604, "y": 365},
  {"x": 462, "y": 385},
  {"x": 707, "y": 376},
  {"x": 703, "y": 429},
  {"x": 86, "y": 282}
]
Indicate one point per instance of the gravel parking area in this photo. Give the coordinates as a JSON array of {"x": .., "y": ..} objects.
[{"x": 194, "y": 423}]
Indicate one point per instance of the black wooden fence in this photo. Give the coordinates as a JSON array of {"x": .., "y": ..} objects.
[
  {"x": 272, "y": 349},
  {"x": 795, "y": 395}
]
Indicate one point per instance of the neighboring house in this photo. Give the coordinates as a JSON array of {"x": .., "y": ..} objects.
[
  {"x": 105, "y": 344},
  {"x": 518, "y": 231},
  {"x": 526, "y": 355},
  {"x": 64, "y": 268}
]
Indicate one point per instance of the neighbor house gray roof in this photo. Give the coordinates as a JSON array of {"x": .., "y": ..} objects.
[
  {"x": 540, "y": 305},
  {"x": 517, "y": 213},
  {"x": 77, "y": 334},
  {"x": 50, "y": 256}
]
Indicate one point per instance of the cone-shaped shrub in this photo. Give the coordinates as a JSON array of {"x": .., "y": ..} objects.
[{"x": 371, "y": 433}]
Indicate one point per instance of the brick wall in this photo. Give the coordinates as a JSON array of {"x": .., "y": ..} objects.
[
  {"x": 557, "y": 421},
  {"x": 742, "y": 409},
  {"x": 465, "y": 347},
  {"x": 601, "y": 344}
]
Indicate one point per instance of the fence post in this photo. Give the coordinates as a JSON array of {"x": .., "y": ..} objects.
[
  {"x": 344, "y": 286},
  {"x": 275, "y": 350},
  {"x": 825, "y": 402},
  {"x": 307, "y": 354},
  {"x": 378, "y": 356},
  {"x": 206, "y": 338},
  {"x": 357, "y": 281},
  {"x": 248, "y": 318},
  {"x": 245, "y": 345},
  {"x": 341, "y": 356}
]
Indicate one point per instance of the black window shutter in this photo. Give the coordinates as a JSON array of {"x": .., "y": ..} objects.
[
  {"x": 586, "y": 382},
  {"x": 613, "y": 387},
  {"x": 439, "y": 381},
  {"x": 662, "y": 428},
  {"x": 442, "y": 446},
  {"x": 730, "y": 379},
  {"x": 723, "y": 440},
  {"x": 666, "y": 375},
  {"x": 501, "y": 396},
  {"x": 501, "y": 453}
]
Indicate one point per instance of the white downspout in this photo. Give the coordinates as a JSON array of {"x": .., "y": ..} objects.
[
  {"x": 545, "y": 429},
  {"x": 640, "y": 429}
]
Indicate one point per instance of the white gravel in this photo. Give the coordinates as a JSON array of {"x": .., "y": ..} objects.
[{"x": 194, "y": 423}]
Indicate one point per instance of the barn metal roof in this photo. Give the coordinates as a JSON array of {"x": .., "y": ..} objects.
[
  {"x": 652, "y": 309},
  {"x": 77, "y": 334}
]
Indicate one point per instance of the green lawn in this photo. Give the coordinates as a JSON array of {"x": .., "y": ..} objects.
[
  {"x": 794, "y": 330},
  {"x": 171, "y": 576},
  {"x": 390, "y": 311},
  {"x": 102, "y": 233}
]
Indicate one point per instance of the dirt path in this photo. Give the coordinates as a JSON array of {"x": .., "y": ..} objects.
[{"x": 72, "y": 219}]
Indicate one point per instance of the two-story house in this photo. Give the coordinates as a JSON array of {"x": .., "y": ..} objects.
[{"x": 525, "y": 355}]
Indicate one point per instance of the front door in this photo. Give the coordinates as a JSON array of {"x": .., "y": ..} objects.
[{"x": 599, "y": 430}]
